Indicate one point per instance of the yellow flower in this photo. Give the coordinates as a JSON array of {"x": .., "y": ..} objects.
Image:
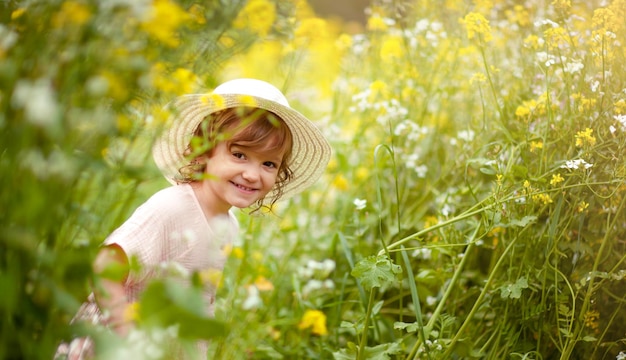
[
  {"x": 310, "y": 29},
  {"x": 258, "y": 16},
  {"x": 17, "y": 13},
  {"x": 131, "y": 312},
  {"x": 163, "y": 20},
  {"x": 362, "y": 173},
  {"x": 556, "y": 36},
  {"x": 556, "y": 179},
  {"x": 524, "y": 110},
  {"x": 344, "y": 41},
  {"x": 340, "y": 183},
  {"x": 620, "y": 107},
  {"x": 215, "y": 99},
  {"x": 526, "y": 184},
  {"x": 196, "y": 11},
  {"x": 499, "y": 179},
  {"x": 582, "y": 206},
  {"x": 585, "y": 137},
  {"x": 263, "y": 284},
  {"x": 211, "y": 276},
  {"x": 477, "y": 26},
  {"x": 544, "y": 199},
  {"x": 478, "y": 78},
  {"x": 315, "y": 320},
  {"x": 237, "y": 252},
  {"x": 71, "y": 13},
  {"x": 534, "y": 145},
  {"x": 392, "y": 48},
  {"x": 247, "y": 100},
  {"x": 179, "y": 81},
  {"x": 591, "y": 319},
  {"x": 376, "y": 23},
  {"x": 533, "y": 42}
]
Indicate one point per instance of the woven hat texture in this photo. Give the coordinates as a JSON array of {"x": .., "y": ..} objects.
[{"x": 310, "y": 153}]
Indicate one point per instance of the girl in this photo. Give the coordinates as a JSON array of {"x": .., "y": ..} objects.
[{"x": 241, "y": 146}]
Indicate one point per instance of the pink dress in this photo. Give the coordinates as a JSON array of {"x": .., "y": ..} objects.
[{"x": 168, "y": 231}]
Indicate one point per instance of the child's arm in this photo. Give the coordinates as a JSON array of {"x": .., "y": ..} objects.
[{"x": 111, "y": 265}]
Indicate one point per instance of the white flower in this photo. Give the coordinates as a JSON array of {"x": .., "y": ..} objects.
[
  {"x": 621, "y": 356},
  {"x": 423, "y": 253},
  {"x": 360, "y": 203},
  {"x": 574, "y": 67},
  {"x": 576, "y": 164},
  {"x": 421, "y": 171},
  {"x": 466, "y": 135},
  {"x": 253, "y": 301},
  {"x": 38, "y": 101},
  {"x": 621, "y": 119}
]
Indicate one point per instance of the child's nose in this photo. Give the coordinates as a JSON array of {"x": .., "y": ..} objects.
[{"x": 251, "y": 173}]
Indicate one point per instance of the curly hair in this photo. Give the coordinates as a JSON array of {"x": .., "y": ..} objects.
[{"x": 251, "y": 127}]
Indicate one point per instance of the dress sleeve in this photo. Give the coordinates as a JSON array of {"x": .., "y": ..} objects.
[{"x": 142, "y": 237}]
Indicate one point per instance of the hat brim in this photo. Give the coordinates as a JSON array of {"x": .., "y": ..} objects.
[{"x": 310, "y": 152}]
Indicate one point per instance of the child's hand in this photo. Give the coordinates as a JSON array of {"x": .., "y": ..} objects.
[{"x": 111, "y": 266}]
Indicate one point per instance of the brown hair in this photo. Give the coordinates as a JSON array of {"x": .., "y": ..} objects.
[{"x": 247, "y": 126}]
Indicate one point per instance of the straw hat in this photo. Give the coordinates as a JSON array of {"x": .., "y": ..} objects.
[{"x": 310, "y": 152}]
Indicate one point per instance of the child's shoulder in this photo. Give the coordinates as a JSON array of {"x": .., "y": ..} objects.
[{"x": 172, "y": 199}]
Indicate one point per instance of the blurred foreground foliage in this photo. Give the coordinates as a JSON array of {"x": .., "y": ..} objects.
[
  {"x": 473, "y": 208},
  {"x": 82, "y": 87}
]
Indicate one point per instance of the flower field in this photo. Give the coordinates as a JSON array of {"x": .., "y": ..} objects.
[{"x": 474, "y": 206}]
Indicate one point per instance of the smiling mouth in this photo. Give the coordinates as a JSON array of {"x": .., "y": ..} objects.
[{"x": 241, "y": 187}]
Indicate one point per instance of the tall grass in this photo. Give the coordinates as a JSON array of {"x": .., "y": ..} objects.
[{"x": 473, "y": 208}]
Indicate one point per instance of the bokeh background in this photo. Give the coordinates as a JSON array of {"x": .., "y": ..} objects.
[{"x": 473, "y": 207}]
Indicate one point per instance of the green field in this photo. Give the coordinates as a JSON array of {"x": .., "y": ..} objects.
[{"x": 473, "y": 208}]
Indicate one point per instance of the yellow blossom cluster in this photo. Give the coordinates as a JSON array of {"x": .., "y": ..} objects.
[
  {"x": 542, "y": 198},
  {"x": 71, "y": 13},
  {"x": 518, "y": 15},
  {"x": 163, "y": 20},
  {"x": 556, "y": 179},
  {"x": 477, "y": 27},
  {"x": 314, "y": 320},
  {"x": 585, "y": 138},
  {"x": 591, "y": 319},
  {"x": 619, "y": 107},
  {"x": 258, "y": 16},
  {"x": 584, "y": 103},
  {"x": 536, "y": 145},
  {"x": 556, "y": 37},
  {"x": 179, "y": 81}
]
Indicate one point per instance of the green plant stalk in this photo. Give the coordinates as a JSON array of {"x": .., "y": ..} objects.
[
  {"x": 469, "y": 213},
  {"x": 416, "y": 304},
  {"x": 572, "y": 340},
  {"x": 478, "y": 301},
  {"x": 363, "y": 342},
  {"x": 447, "y": 293},
  {"x": 481, "y": 207}
]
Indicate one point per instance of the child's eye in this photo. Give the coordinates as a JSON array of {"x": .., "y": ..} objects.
[
  {"x": 270, "y": 164},
  {"x": 239, "y": 155}
]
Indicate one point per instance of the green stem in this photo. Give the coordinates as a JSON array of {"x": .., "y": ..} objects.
[
  {"x": 363, "y": 342},
  {"x": 572, "y": 340},
  {"x": 478, "y": 301},
  {"x": 448, "y": 292}
]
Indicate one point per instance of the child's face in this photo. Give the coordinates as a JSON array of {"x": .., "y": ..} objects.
[{"x": 240, "y": 175}]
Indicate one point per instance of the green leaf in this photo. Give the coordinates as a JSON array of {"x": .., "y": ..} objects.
[
  {"x": 166, "y": 303},
  {"x": 376, "y": 271},
  {"x": 379, "y": 352},
  {"x": 514, "y": 291},
  {"x": 409, "y": 327},
  {"x": 524, "y": 221}
]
